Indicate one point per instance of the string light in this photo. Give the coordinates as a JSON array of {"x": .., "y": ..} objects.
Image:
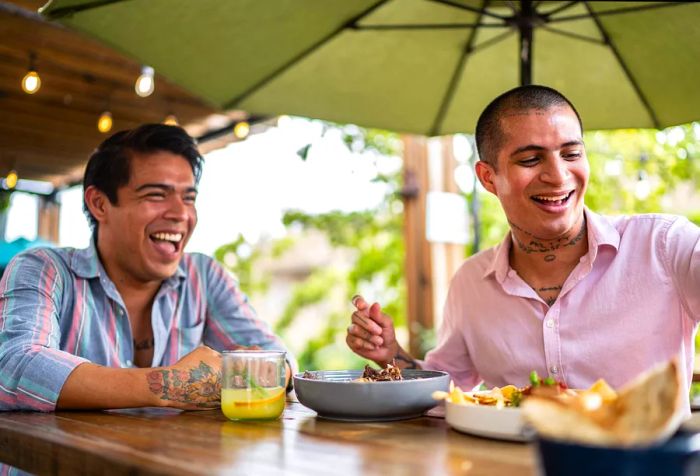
[
  {"x": 241, "y": 129},
  {"x": 145, "y": 84},
  {"x": 171, "y": 120},
  {"x": 104, "y": 123},
  {"x": 11, "y": 179},
  {"x": 31, "y": 81}
]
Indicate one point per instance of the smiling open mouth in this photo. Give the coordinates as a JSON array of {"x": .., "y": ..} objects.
[
  {"x": 553, "y": 200},
  {"x": 170, "y": 242}
]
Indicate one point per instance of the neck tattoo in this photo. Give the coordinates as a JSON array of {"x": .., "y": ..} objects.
[{"x": 538, "y": 245}]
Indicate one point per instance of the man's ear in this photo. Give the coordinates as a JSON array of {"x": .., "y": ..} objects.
[
  {"x": 97, "y": 202},
  {"x": 486, "y": 173}
]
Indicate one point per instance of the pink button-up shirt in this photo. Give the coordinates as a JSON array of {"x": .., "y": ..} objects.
[{"x": 632, "y": 301}]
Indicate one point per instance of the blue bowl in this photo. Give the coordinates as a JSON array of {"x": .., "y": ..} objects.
[{"x": 679, "y": 456}]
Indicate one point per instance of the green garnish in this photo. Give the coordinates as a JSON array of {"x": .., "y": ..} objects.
[
  {"x": 516, "y": 398},
  {"x": 534, "y": 379}
]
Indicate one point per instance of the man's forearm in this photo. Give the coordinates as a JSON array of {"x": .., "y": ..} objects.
[{"x": 92, "y": 386}]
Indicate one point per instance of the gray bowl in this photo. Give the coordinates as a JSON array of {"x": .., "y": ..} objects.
[{"x": 333, "y": 395}]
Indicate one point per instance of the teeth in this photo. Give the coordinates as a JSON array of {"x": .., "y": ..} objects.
[
  {"x": 552, "y": 199},
  {"x": 174, "y": 237}
]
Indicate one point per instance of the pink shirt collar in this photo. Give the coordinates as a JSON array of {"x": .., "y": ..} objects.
[{"x": 600, "y": 233}]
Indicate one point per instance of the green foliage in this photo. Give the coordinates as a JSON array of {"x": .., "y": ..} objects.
[
  {"x": 5, "y": 199},
  {"x": 239, "y": 257}
]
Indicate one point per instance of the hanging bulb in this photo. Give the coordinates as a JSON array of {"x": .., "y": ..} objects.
[
  {"x": 170, "y": 120},
  {"x": 104, "y": 123},
  {"x": 11, "y": 179},
  {"x": 31, "y": 82},
  {"x": 145, "y": 84},
  {"x": 241, "y": 129}
]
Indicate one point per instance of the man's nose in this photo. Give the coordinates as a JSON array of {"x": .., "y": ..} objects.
[
  {"x": 556, "y": 171},
  {"x": 177, "y": 209}
]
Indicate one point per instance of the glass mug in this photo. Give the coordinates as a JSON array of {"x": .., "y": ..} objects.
[{"x": 253, "y": 384}]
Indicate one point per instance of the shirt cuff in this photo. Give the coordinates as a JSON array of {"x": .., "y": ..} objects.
[{"x": 43, "y": 378}]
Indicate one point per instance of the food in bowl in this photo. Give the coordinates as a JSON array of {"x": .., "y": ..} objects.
[
  {"x": 390, "y": 373},
  {"x": 646, "y": 411},
  {"x": 338, "y": 395},
  {"x": 512, "y": 396}
]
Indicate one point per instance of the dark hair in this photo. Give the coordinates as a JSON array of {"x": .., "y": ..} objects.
[
  {"x": 109, "y": 167},
  {"x": 489, "y": 136}
]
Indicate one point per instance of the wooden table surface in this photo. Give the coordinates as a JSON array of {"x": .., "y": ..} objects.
[{"x": 162, "y": 441}]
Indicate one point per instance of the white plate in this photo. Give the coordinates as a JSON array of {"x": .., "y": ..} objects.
[{"x": 489, "y": 421}]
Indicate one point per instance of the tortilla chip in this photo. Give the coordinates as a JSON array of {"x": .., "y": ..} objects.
[{"x": 647, "y": 410}]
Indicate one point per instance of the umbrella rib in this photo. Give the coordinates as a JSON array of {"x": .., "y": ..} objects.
[
  {"x": 619, "y": 10},
  {"x": 456, "y": 75},
  {"x": 67, "y": 11},
  {"x": 436, "y": 26},
  {"x": 574, "y": 35},
  {"x": 624, "y": 67},
  {"x": 234, "y": 102},
  {"x": 493, "y": 41},
  {"x": 482, "y": 10},
  {"x": 559, "y": 9}
]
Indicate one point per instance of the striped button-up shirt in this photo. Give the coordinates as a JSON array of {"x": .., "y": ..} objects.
[{"x": 58, "y": 309}]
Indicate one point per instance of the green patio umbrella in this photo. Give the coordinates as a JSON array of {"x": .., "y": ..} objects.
[{"x": 418, "y": 66}]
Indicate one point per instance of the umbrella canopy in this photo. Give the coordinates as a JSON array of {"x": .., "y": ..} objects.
[{"x": 419, "y": 66}]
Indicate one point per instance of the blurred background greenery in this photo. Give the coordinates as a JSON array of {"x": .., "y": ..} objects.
[{"x": 632, "y": 171}]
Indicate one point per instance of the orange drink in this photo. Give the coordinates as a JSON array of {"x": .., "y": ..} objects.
[{"x": 252, "y": 404}]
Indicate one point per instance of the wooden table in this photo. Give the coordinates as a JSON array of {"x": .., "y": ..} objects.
[{"x": 162, "y": 441}]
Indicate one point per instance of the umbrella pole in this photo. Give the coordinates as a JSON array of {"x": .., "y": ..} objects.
[{"x": 525, "y": 26}]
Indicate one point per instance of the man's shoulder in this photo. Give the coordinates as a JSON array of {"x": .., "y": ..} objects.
[
  {"x": 47, "y": 254},
  {"x": 49, "y": 263},
  {"x": 476, "y": 266},
  {"x": 199, "y": 263},
  {"x": 646, "y": 223}
]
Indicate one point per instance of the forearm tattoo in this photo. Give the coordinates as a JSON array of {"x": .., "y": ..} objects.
[
  {"x": 199, "y": 386},
  {"x": 410, "y": 363}
]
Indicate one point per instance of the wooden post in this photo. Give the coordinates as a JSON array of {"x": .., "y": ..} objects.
[
  {"x": 454, "y": 253},
  {"x": 418, "y": 256},
  {"x": 49, "y": 214}
]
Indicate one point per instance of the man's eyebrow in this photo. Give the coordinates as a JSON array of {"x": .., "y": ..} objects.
[
  {"x": 164, "y": 187},
  {"x": 535, "y": 147}
]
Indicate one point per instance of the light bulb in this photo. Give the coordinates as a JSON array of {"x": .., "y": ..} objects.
[
  {"x": 145, "y": 84},
  {"x": 11, "y": 179},
  {"x": 170, "y": 120},
  {"x": 241, "y": 130},
  {"x": 31, "y": 82},
  {"x": 104, "y": 123}
]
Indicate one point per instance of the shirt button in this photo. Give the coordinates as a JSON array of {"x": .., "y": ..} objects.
[
  {"x": 554, "y": 369},
  {"x": 550, "y": 323}
]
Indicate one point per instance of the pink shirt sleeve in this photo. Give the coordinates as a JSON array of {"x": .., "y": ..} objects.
[
  {"x": 681, "y": 252},
  {"x": 451, "y": 353}
]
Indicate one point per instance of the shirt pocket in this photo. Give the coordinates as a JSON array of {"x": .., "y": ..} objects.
[{"x": 190, "y": 338}]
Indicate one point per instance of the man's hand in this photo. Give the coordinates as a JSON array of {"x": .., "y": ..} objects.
[
  {"x": 194, "y": 382},
  {"x": 371, "y": 334}
]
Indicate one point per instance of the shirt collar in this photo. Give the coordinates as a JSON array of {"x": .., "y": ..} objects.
[
  {"x": 500, "y": 263},
  {"x": 86, "y": 264},
  {"x": 600, "y": 233}
]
